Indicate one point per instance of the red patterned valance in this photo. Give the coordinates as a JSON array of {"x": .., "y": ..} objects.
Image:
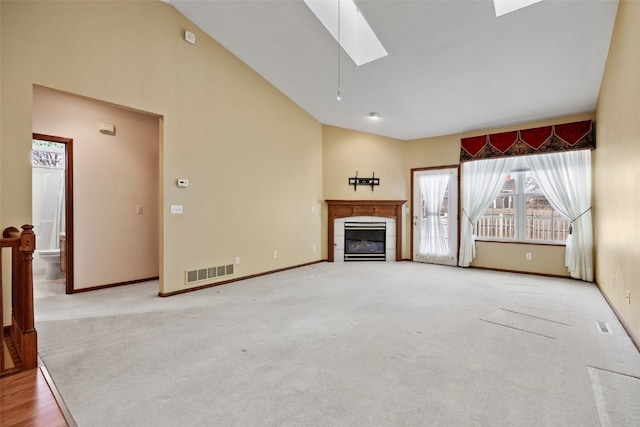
[{"x": 569, "y": 136}]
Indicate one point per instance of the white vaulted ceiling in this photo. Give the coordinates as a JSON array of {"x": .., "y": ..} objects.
[{"x": 452, "y": 65}]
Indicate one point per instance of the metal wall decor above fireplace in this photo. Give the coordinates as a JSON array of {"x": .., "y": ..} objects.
[{"x": 365, "y": 241}]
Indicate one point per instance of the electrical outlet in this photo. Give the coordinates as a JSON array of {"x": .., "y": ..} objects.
[
  {"x": 237, "y": 260},
  {"x": 527, "y": 256},
  {"x": 275, "y": 254},
  {"x": 313, "y": 248},
  {"x": 176, "y": 209},
  {"x": 628, "y": 297},
  {"x": 139, "y": 209}
]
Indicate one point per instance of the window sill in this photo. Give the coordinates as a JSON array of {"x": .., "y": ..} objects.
[{"x": 521, "y": 242}]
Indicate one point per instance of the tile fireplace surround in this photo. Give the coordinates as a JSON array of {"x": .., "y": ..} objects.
[{"x": 364, "y": 208}]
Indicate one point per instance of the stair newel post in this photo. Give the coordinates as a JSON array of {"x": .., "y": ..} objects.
[{"x": 29, "y": 344}]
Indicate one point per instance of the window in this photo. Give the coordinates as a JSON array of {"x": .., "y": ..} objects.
[{"x": 522, "y": 213}]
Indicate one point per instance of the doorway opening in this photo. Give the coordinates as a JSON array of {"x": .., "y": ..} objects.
[
  {"x": 52, "y": 213},
  {"x": 115, "y": 187}
]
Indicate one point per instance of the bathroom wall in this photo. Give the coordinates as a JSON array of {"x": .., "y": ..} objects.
[{"x": 112, "y": 175}]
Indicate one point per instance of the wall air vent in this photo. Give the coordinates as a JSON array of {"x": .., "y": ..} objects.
[
  {"x": 202, "y": 274},
  {"x": 192, "y": 276}
]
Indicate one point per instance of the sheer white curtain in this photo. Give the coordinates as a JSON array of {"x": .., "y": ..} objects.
[
  {"x": 482, "y": 181},
  {"x": 565, "y": 180},
  {"x": 433, "y": 238}
]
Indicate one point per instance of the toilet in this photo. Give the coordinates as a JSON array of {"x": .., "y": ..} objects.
[{"x": 52, "y": 259}]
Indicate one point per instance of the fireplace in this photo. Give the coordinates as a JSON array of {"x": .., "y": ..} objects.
[
  {"x": 365, "y": 241},
  {"x": 388, "y": 212}
]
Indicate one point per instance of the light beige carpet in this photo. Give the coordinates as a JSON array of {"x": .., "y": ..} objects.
[{"x": 355, "y": 344}]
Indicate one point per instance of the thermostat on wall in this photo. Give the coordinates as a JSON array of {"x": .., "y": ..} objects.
[{"x": 182, "y": 182}]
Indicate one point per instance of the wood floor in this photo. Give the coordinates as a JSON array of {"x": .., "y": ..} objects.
[{"x": 27, "y": 400}]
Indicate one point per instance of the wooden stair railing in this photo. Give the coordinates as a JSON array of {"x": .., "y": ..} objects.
[{"x": 20, "y": 338}]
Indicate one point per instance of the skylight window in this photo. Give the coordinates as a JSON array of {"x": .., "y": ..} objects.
[
  {"x": 506, "y": 6},
  {"x": 355, "y": 36}
]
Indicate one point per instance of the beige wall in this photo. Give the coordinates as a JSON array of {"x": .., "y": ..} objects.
[
  {"x": 346, "y": 151},
  {"x": 545, "y": 259},
  {"x": 5, "y": 293},
  {"x": 426, "y": 153},
  {"x": 253, "y": 158},
  {"x": 112, "y": 175},
  {"x": 617, "y": 169},
  {"x": 445, "y": 151}
]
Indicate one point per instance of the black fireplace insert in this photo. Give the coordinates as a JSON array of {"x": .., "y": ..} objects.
[{"x": 365, "y": 241}]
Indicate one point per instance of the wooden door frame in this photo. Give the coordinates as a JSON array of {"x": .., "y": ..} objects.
[
  {"x": 68, "y": 202},
  {"x": 413, "y": 170}
]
